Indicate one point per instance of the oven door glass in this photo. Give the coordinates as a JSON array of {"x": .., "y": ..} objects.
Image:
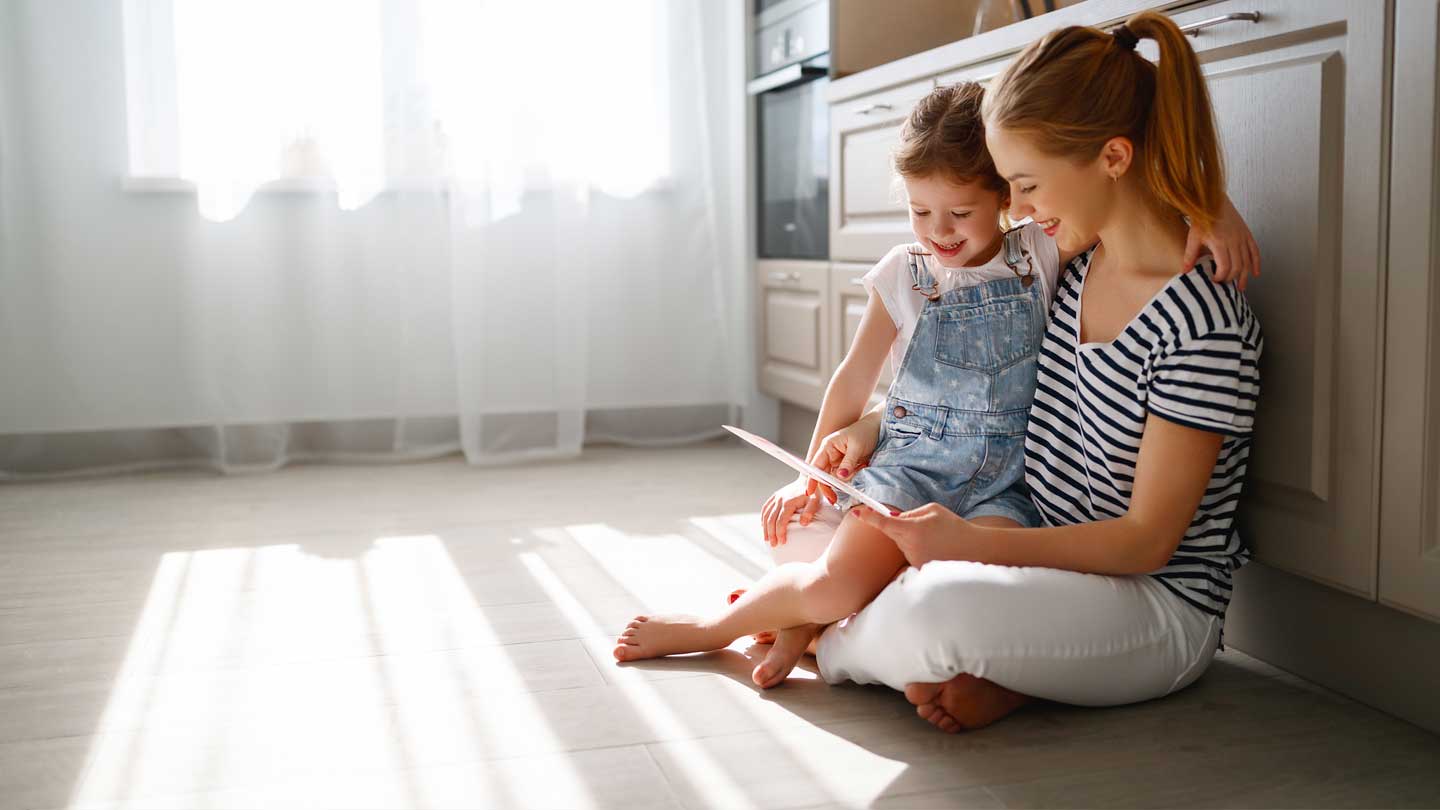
[{"x": 794, "y": 146}]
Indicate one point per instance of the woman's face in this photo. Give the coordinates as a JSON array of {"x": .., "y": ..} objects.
[
  {"x": 959, "y": 223},
  {"x": 1070, "y": 199}
]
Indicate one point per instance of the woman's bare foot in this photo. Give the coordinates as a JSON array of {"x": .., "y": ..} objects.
[
  {"x": 963, "y": 703},
  {"x": 790, "y": 644},
  {"x": 654, "y": 636}
]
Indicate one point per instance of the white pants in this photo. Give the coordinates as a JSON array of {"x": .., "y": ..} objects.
[{"x": 1083, "y": 639}]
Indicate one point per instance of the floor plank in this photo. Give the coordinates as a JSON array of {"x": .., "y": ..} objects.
[{"x": 437, "y": 635}]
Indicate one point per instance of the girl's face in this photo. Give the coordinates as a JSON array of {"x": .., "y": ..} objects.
[
  {"x": 1069, "y": 199},
  {"x": 959, "y": 223}
]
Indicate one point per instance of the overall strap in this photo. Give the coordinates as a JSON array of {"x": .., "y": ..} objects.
[
  {"x": 921, "y": 279},
  {"x": 1018, "y": 258}
]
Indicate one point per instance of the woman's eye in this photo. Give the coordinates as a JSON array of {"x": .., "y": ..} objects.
[{"x": 1026, "y": 189}]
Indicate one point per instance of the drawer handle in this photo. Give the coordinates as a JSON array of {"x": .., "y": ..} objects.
[
  {"x": 782, "y": 278},
  {"x": 1193, "y": 29},
  {"x": 878, "y": 106}
]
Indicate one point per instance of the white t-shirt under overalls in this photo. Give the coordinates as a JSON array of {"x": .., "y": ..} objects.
[{"x": 890, "y": 279}]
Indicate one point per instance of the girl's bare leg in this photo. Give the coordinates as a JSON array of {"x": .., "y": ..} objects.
[
  {"x": 789, "y": 645},
  {"x": 856, "y": 566}
]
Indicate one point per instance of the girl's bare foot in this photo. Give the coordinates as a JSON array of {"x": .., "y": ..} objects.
[
  {"x": 963, "y": 703},
  {"x": 790, "y": 644},
  {"x": 654, "y": 636}
]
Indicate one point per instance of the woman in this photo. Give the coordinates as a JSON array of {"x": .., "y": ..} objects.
[{"x": 1139, "y": 432}]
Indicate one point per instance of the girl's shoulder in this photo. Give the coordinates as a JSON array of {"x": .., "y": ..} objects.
[{"x": 895, "y": 263}]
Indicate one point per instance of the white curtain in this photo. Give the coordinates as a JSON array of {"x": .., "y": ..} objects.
[{"x": 238, "y": 234}]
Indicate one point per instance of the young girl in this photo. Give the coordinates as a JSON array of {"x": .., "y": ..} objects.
[{"x": 961, "y": 314}]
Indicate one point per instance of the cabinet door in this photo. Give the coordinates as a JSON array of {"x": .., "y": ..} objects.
[
  {"x": 1299, "y": 101},
  {"x": 793, "y": 331},
  {"x": 867, "y": 206},
  {"x": 848, "y": 299},
  {"x": 1410, "y": 494}
]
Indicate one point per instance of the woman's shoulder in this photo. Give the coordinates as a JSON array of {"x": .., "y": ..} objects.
[{"x": 1199, "y": 306}]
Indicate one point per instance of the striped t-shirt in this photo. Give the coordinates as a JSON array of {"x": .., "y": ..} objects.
[{"x": 1191, "y": 356}]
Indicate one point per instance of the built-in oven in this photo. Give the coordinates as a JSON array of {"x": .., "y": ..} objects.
[{"x": 791, "y": 68}]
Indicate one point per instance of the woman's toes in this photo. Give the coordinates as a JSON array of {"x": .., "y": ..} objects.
[{"x": 922, "y": 693}]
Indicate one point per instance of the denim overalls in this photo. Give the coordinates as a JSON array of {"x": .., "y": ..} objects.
[{"x": 954, "y": 423}]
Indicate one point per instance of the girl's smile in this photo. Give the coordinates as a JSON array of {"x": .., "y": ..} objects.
[{"x": 947, "y": 250}]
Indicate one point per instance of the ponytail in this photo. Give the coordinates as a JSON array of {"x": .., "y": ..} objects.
[{"x": 1183, "y": 166}]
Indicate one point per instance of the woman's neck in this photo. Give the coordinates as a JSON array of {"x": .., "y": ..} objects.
[{"x": 1143, "y": 239}]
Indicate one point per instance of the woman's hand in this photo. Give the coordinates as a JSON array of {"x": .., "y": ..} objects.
[
  {"x": 923, "y": 535},
  {"x": 776, "y": 513},
  {"x": 1237, "y": 256},
  {"x": 844, "y": 452}
]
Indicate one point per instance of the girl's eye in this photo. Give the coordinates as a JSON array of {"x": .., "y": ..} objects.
[
  {"x": 1026, "y": 189},
  {"x": 960, "y": 214},
  {"x": 919, "y": 213}
]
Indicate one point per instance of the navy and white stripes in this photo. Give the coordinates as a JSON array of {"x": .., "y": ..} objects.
[{"x": 1191, "y": 356}]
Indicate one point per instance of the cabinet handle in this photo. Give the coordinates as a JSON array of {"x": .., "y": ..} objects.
[
  {"x": 782, "y": 278},
  {"x": 876, "y": 107},
  {"x": 1193, "y": 29}
]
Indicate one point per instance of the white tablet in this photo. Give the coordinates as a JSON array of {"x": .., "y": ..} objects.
[{"x": 800, "y": 465}]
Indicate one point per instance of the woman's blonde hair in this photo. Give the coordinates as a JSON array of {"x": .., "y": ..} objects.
[
  {"x": 1078, "y": 87},
  {"x": 945, "y": 135}
]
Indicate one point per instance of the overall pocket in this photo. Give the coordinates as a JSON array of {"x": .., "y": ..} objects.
[
  {"x": 904, "y": 424},
  {"x": 986, "y": 338}
]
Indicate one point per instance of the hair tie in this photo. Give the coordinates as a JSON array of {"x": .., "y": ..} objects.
[{"x": 1125, "y": 37}]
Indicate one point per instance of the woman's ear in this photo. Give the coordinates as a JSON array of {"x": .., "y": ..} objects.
[{"x": 1116, "y": 156}]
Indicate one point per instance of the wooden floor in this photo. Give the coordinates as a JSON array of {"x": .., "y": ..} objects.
[{"x": 436, "y": 635}]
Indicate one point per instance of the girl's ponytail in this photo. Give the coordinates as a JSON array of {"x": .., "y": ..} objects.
[{"x": 1078, "y": 87}]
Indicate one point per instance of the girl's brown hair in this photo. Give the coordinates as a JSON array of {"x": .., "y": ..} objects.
[
  {"x": 945, "y": 136},
  {"x": 1079, "y": 87}
]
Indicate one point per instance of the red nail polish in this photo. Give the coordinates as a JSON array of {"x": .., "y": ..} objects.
[
  {"x": 893, "y": 513},
  {"x": 844, "y": 473}
]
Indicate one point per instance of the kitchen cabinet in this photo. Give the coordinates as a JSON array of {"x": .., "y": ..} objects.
[
  {"x": 1410, "y": 492},
  {"x": 794, "y": 334},
  {"x": 1299, "y": 102},
  {"x": 867, "y": 205},
  {"x": 847, "y": 302}
]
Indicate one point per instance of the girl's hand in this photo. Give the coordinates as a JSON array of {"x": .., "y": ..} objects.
[
  {"x": 1237, "y": 256},
  {"x": 923, "y": 535},
  {"x": 776, "y": 513},
  {"x": 844, "y": 452}
]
